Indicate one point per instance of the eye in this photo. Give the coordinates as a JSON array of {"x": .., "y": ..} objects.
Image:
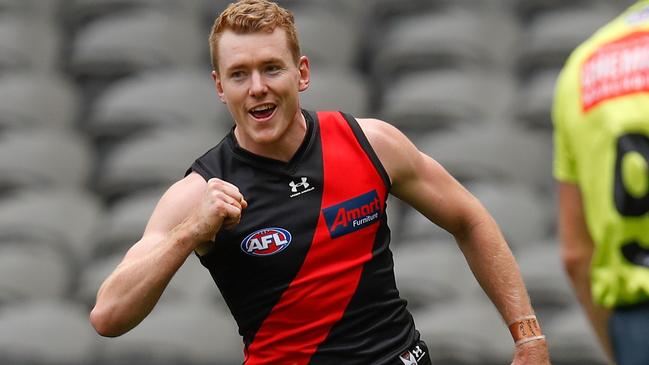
[
  {"x": 273, "y": 69},
  {"x": 237, "y": 75}
]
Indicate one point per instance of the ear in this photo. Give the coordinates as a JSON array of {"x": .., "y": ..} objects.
[
  {"x": 219, "y": 86},
  {"x": 305, "y": 73}
]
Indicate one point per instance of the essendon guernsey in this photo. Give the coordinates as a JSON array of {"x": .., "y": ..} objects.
[{"x": 307, "y": 273}]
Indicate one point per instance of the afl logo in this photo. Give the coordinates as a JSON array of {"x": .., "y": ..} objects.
[{"x": 265, "y": 242}]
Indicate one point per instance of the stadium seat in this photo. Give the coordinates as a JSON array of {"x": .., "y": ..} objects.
[
  {"x": 180, "y": 99},
  {"x": 430, "y": 100},
  {"x": 33, "y": 271},
  {"x": 545, "y": 278},
  {"x": 124, "y": 221},
  {"x": 327, "y": 39},
  {"x": 31, "y": 8},
  {"x": 534, "y": 100},
  {"x": 423, "y": 268},
  {"x": 429, "y": 40},
  {"x": 57, "y": 107},
  {"x": 41, "y": 159},
  {"x": 178, "y": 333},
  {"x": 551, "y": 36},
  {"x": 520, "y": 211},
  {"x": 337, "y": 89},
  {"x": 82, "y": 11},
  {"x": 119, "y": 45},
  {"x": 28, "y": 44},
  {"x": 492, "y": 153},
  {"x": 47, "y": 332},
  {"x": 571, "y": 339},
  {"x": 64, "y": 218},
  {"x": 92, "y": 275},
  {"x": 468, "y": 331},
  {"x": 152, "y": 160}
]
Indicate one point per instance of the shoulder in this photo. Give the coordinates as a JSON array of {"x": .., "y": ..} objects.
[{"x": 395, "y": 151}]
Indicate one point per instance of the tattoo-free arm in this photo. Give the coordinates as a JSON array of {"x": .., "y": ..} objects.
[{"x": 421, "y": 182}]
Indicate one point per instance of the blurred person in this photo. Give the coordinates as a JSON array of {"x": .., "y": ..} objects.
[
  {"x": 601, "y": 120},
  {"x": 287, "y": 212}
]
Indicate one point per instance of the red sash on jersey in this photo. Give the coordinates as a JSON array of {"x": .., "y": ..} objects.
[{"x": 316, "y": 299}]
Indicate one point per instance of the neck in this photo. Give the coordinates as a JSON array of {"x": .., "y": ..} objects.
[{"x": 282, "y": 149}]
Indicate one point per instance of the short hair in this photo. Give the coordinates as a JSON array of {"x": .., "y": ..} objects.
[{"x": 249, "y": 16}]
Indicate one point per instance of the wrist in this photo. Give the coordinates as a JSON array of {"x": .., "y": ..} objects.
[{"x": 525, "y": 330}]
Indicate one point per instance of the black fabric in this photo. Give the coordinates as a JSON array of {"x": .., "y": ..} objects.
[{"x": 252, "y": 285}]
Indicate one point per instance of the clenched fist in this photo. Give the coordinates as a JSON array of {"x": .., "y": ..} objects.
[{"x": 220, "y": 207}]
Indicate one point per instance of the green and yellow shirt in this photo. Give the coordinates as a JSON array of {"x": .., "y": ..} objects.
[{"x": 601, "y": 119}]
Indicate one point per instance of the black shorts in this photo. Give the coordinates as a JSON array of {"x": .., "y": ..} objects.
[{"x": 417, "y": 354}]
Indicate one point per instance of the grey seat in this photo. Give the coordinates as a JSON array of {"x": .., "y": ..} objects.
[
  {"x": 435, "y": 99},
  {"x": 31, "y": 271},
  {"x": 519, "y": 210},
  {"x": 31, "y": 8},
  {"x": 493, "y": 153},
  {"x": 545, "y": 278},
  {"x": 48, "y": 332},
  {"x": 333, "y": 89},
  {"x": 57, "y": 105},
  {"x": 208, "y": 336},
  {"x": 326, "y": 38},
  {"x": 82, "y": 11},
  {"x": 65, "y": 218},
  {"x": 435, "y": 39},
  {"x": 468, "y": 331},
  {"x": 534, "y": 100},
  {"x": 571, "y": 340},
  {"x": 431, "y": 273},
  {"x": 179, "y": 99},
  {"x": 552, "y": 35},
  {"x": 43, "y": 158},
  {"x": 119, "y": 45},
  {"x": 152, "y": 160},
  {"x": 124, "y": 221},
  {"x": 28, "y": 43}
]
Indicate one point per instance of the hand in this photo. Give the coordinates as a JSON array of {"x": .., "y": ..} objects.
[
  {"x": 532, "y": 353},
  {"x": 221, "y": 206}
]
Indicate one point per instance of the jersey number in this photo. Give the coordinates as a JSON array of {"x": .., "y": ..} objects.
[
  {"x": 634, "y": 203},
  {"x": 628, "y": 204}
]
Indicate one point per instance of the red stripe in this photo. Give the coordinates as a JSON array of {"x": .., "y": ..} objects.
[{"x": 327, "y": 280}]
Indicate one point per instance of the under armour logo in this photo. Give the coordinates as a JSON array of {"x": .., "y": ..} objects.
[
  {"x": 300, "y": 188},
  {"x": 295, "y": 185}
]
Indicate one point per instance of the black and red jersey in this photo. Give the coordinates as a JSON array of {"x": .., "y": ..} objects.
[{"x": 307, "y": 273}]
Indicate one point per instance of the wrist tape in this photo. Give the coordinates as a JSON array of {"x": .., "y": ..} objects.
[{"x": 525, "y": 329}]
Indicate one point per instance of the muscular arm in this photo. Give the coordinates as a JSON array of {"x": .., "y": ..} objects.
[
  {"x": 421, "y": 182},
  {"x": 188, "y": 215},
  {"x": 577, "y": 251}
]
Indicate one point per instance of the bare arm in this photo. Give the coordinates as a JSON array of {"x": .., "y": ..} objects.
[
  {"x": 577, "y": 251},
  {"x": 187, "y": 216},
  {"x": 424, "y": 184}
]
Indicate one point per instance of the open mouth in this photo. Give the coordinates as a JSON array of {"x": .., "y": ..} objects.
[{"x": 263, "y": 111}]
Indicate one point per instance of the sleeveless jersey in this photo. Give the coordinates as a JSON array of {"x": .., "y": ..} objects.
[
  {"x": 601, "y": 117},
  {"x": 307, "y": 273}
]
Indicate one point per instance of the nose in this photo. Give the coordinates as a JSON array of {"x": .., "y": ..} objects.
[{"x": 258, "y": 86}]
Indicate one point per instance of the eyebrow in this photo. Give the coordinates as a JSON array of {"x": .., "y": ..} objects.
[{"x": 240, "y": 65}]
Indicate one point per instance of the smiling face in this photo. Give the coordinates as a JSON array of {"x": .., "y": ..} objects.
[{"x": 259, "y": 81}]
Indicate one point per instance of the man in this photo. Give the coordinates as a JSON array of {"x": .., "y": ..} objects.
[
  {"x": 601, "y": 116},
  {"x": 288, "y": 214}
]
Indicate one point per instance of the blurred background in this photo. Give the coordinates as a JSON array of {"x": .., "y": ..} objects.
[{"x": 105, "y": 103}]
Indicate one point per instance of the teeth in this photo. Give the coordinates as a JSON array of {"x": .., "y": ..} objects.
[{"x": 262, "y": 108}]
